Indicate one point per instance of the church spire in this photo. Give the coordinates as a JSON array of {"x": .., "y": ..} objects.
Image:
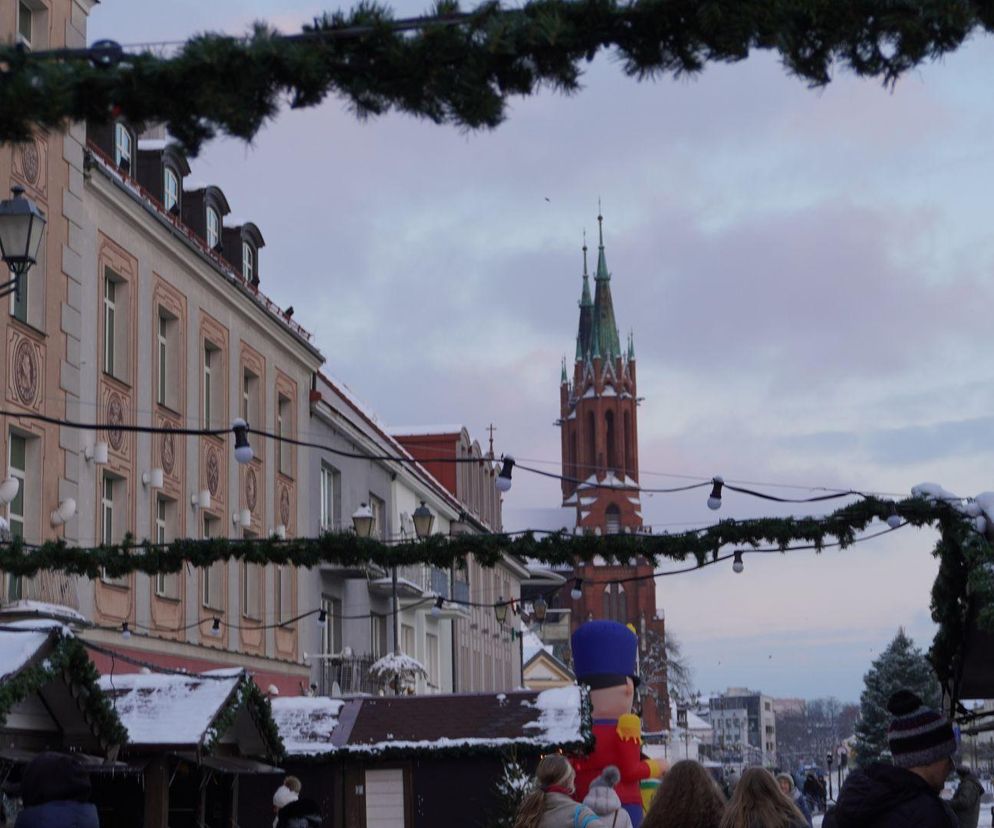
[
  {"x": 585, "y": 296},
  {"x": 583, "y": 334},
  {"x": 605, "y": 329},
  {"x": 602, "y": 273}
]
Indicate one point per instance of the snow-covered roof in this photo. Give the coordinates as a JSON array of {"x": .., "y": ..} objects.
[
  {"x": 531, "y": 644},
  {"x": 306, "y": 724},
  {"x": 191, "y": 185},
  {"x": 231, "y": 222},
  {"x": 17, "y": 648},
  {"x": 41, "y": 608},
  {"x": 159, "y": 709},
  {"x": 694, "y": 722},
  {"x": 152, "y": 143},
  {"x": 422, "y": 430}
]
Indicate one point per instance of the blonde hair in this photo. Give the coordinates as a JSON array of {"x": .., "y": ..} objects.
[
  {"x": 758, "y": 800},
  {"x": 292, "y": 783},
  {"x": 554, "y": 769},
  {"x": 687, "y": 798}
]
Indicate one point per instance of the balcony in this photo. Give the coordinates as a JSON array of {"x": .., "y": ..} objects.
[{"x": 349, "y": 676}]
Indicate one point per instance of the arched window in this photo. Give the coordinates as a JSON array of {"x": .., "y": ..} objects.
[
  {"x": 629, "y": 467},
  {"x": 170, "y": 190},
  {"x": 613, "y": 519},
  {"x": 213, "y": 228},
  {"x": 591, "y": 440},
  {"x": 612, "y": 448},
  {"x": 615, "y": 603}
]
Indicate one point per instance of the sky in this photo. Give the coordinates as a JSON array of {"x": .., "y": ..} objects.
[{"x": 806, "y": 273}]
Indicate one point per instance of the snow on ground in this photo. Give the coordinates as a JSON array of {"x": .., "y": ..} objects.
[{"x": 160, "y": 709}]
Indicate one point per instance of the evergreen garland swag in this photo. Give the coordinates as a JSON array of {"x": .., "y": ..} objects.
[{"x": 461, "y": 67}]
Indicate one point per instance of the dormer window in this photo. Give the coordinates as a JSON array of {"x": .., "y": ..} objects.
[
  {"x": 122, "y": 147},
  {"x": 213, "y": 228},
  {"x": 24, "y": 15},
  {"x": 248, "y": 262},
  {"x": 170, "y": 190}
]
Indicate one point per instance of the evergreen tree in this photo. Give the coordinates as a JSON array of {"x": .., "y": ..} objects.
[{"x": 902, "y": 666}]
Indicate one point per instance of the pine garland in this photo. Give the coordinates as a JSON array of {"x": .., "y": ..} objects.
[
  {"x": 461, "y": 68},
  {"x": 246, "y": 693},
  {"x": 346, "y": 549},
  {"x": 69, "y": 661}
]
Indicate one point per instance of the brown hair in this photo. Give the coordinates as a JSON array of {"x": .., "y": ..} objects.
[
  {"x": 758, "y": 800},
  {"x": 292, "y": 783},
  {"x": 554, "y": 769},
  {"x": 687, "y": 798}
]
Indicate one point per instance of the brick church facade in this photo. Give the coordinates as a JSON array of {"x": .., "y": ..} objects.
[{"x": 599, "y": 422}]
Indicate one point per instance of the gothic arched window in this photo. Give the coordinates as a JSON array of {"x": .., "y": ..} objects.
[
  {"x": 613, "y": 519},
  {"x": 612, "y": 447}
]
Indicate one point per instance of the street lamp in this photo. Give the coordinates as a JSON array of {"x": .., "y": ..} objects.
[
  {"x": 828, "y": 760},
  {"x": 500, "y": 610},
  {"x": 21, "y": 227},
  {"x": 539, "y": 608},
  {"x": 362, "y": 521},
  {"x": 423, "y": 521}
]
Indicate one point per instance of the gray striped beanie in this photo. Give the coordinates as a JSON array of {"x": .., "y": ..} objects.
[{"x": 919, "y": 735}]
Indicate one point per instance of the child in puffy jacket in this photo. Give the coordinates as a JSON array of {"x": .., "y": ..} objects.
[{"x": 603, "y": 801}]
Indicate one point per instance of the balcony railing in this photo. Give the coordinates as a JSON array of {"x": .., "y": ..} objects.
[{"x": 349, "y": 677}]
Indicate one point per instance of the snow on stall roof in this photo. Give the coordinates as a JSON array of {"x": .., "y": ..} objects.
[
  {"x": 18, "y": 648},
  {"x": 306, "y": 723},
  {"x": 531, "y": 644},
  {"x": 152, "y": 143},
  {"x": 42, "y": 608},
  {"x": 160, "y": 709},
  {"x": 422, "y": 430}
]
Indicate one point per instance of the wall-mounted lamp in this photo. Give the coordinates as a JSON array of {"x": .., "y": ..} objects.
[
  {"x": 8, "y": 490},
  {"x": 201, "y": 499},
  {"x": 97, "y": 453},
  {"x": 153, "y": 478},
  {"x": 65, "y": 512},
  {"x": 280, "y": 532},
  {"x": 242, "y": 518}
]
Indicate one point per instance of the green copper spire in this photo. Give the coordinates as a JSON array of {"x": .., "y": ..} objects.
[
  {"x": 583, "y": 334},
  {"x": 585, "y": 299},
  {"x": 605, "y": 329}
]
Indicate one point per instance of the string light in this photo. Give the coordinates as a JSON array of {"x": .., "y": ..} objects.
[
  {"x": 714, "y": 501},
  {"x": 503, "y": 481},
  {"x": 216, "y": 627},
  {"x": 437, "y": 609},
  {"x": 893, "y": 519},
  {"x": 243, "y": 451},
  {"x": 577, "y": 592},
  {"x": 125, "y": 631},
  {"x": 322, "y": 617},
  {"x": 737, "y": 564}
]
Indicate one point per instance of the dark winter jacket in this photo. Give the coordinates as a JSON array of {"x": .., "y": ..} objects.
[
  {"x": 59, "y": 814},
  {"x": 301, "y": 813},
  {"x": 884, "y": 796},
  {"x": 966, "y": 801}
]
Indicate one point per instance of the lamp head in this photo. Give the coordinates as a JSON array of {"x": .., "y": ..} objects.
[
  {"x": 423, "y": 521},
  {"x": 503, "y": 481},
  {"x": 362, "y": 521}
]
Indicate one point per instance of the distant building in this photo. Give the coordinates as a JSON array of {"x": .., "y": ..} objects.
[
  {"x": 788, "y": 707},
  {"x": 744, "y": 727}
]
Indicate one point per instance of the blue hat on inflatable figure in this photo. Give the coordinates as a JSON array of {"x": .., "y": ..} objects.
[{"x": 605, "y": 653}]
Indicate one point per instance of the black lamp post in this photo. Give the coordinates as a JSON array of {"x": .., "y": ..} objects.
[
  {"x": 843, "y": 761},
  {"x": 21, "y": 228}
]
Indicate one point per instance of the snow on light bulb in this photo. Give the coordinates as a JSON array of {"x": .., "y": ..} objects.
[
  {"x": 577, "y": 592},
  {"x": 714, "y": 500}
]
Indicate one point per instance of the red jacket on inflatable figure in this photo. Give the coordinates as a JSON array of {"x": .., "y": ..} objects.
[{"x": 604, "y": 659}]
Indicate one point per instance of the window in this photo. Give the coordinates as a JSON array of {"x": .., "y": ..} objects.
[
  {"x": 122, "y": 146},
  {"x": 209, "y": 359},
  {"x": 19, "y": 301},
  {"x": 163, "y": 361},
  {"x": 284, "y": 428},
  {"x": 407, "y": 640},
  {"x": 250, "y": 397},
  {"x": 248, "y": 262},
  {"x": 615, "y": 603},
  {"x": 431, "y": 645},
  {"x": 612, "y": 518},
  {"x": 24, "y": 16},
  {"x": 284, "y": 593},
  {"x": 377, "y": 634},
  {"x": 111, "y": 490},
  {"x": 331, "y": 632},
  {"x": 170, "y": 189},
  {"x": 110, "y": 324},
  {"x": 166, "y": 584},
  {"x": 377, "y": 506},
  {"x": 212, "y": 577},
  {"x": 250, "y": 590},
  {"x": 213, "y": 228},
  {"x": 17, "y": 462},
  {"x": 329, "y": 503}
]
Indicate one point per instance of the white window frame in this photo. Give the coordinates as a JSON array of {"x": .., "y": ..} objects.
[
  {"x": 251, "y": 607},
  {"x": 23, "y": 39},
  {"x": 214, "y": 572},
  {"x": 284, "y": 451},
  {"x": 161, "y": 587},
  {"x": 284, "y": 583},
  {"x": 122, "y": 146},
  {"x": 213, "y": 228},
  {"x": 19, "y": 474},
  {"x": 248, "y": 262},
  {"x": 327, "y": 506},
  {"x": 110, "y": 323},
  {"x": 107, "y": 492},
  {"x": 170, "y": 188},
  {"x": 208, "y": 383}
]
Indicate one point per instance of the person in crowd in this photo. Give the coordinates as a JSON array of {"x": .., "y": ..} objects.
[
  {"x": 966, "y": 801},
  {"x": 688, "y": 797},
  {"x": 55, "y": 791},
  {"x": 758, "y": 803},
  {"x": 551, "y": 804},
  {"x": 293, "y": 784},
  {"x": 814, "y": 792},
  {"x": 905, "y": 794},
  {"x": 786, "y": 783},
  {"x": 301, "y": 813},
  {"x": 603, "y": 801},
  {"x": 284, "y": 796}
]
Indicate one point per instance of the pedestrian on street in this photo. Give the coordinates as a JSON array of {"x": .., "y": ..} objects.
[
  {"x": 786, "y": 783},
  {"x": 551, "y": 804},
  {"x": 301, "y": 813},
  {"x": 966, "y": 801},
  {"x": 758, "y": 803},
  {"x": 603, "y": 801},
  {"x": 285, "y": 794},
  {"x": 55, "y": 790},
  {"x": 814, "y": 791},
  {"x": 905, "y": 794},
  {"x": 688, "y": 797}
]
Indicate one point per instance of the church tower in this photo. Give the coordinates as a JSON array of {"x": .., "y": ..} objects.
[
  {"x": 599, "y": 421},
  {"x": 599, "y": 414}
]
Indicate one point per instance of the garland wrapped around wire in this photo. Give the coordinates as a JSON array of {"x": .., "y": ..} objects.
[
  {"x": 347, "y": 549},
  {"x": 461, "y": 67}
]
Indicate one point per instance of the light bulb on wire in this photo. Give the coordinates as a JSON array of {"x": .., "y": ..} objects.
[
  {"x": 577, "y": 592},
  {"x": 437, "y": 609},
  {"x": 714, "y": 500},
  {"x": 737, "y": 565},
  {"x": 893, "y": 518}
]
